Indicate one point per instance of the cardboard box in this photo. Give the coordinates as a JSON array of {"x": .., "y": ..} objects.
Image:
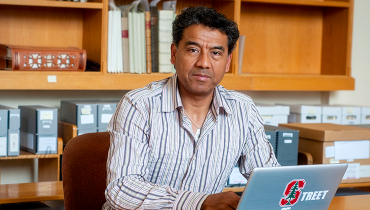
[
  {"x": 331, "y": 114},
  {"x": 363, "y": 126},
  {"x": 3, "y": 132},
  {"x": 83, "y": 114},
  {"x": 286, "y": 145},
  {"x": 365, "y": 115},
  {"x": 273, "y": 114},
  {"x": 39, "y": 129},
  {"x": 12, "y": 129},
  {"x": 351, "y": 115},
  {"x": 271, "y": 135},
  {"x": 305, "y": 114},
  {"x": 105, "y": 111},
  {"x": 332, "y": 143}
]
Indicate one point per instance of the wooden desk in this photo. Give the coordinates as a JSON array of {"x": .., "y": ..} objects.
[
  {"x": 28, "y": 192},
  {"x": 355, "y": 202},
  {"x": 43, "y": 191}
]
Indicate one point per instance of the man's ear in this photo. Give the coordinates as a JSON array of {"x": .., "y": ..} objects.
[
  {"x": 173, "y": 53},
  {"x": 228, "y": 63}
]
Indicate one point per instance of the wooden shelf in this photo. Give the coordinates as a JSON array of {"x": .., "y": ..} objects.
[
  {"x": 49, "y": 165},
  {"x": 45, "y": 3},
  {"x": 304, "y": 2},
  {"x": 29, "y": 192},
  {"x": 290, "y": 45},
  {"x": 27, "y": 155},
  {"x": 98, "y": 81}
]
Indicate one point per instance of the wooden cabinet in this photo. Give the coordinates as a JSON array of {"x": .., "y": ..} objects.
[{"x": 290, "y": 45}]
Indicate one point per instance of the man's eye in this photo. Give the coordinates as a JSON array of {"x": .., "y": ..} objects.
[
  {"x": 193, "y": 50},
  {"x": 216, "y": 53}
]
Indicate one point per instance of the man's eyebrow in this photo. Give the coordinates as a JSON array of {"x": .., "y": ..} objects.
[{"x": 197, "y": 44}]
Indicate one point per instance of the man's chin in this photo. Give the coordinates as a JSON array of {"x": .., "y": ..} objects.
[{"x": 202, "y": 91}]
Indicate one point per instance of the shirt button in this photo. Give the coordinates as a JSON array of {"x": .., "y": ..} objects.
[{"x": 187, "y": 186}]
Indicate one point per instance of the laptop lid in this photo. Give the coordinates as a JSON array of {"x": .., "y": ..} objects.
[{"x": 292, "y": 187}]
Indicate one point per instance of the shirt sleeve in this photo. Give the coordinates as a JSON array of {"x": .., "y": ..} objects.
[
  {"x": 128, "y": 156},
  {"x": 257, "y": 151}
]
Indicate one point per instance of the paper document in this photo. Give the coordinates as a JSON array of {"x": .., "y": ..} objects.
[
  {"x": 329, "y": 152},
  {"x": 47, "y": 144},
  {"x": 87, "y": 119},
  {"x": 236, "y": 177},
  {"x": 364, "y": 171},
  {"x": 14, "y": 143},
  {"x": 345, "y": 150},
  {"x": 353, "y": 171},
  {"x": 105, "y": 118},
  {"x": 46, "y": 115}
]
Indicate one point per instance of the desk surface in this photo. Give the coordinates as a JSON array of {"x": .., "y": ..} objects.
[
  {"x": 43, "y": 191},
  {"x": 28, "y": 192},
  {"x": 354, "y": 202}
]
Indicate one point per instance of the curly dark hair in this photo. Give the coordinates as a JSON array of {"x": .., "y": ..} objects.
[{"x": 208, "y": 17}]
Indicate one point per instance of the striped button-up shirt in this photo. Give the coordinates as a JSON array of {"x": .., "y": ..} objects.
[{"x": 156, "y": 162}]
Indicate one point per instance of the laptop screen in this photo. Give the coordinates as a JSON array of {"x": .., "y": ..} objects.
[{"x": 292, "y": 187}]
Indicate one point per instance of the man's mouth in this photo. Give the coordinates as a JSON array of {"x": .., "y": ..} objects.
[{"x": 201, "y": 77}]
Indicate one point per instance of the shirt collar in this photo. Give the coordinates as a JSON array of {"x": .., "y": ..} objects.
[
  {"x": 171, "y": 99},
  {"x": 219, "y": 100}
]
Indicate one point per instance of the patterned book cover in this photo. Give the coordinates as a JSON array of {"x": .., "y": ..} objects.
[{"x": 28, "y": 58}]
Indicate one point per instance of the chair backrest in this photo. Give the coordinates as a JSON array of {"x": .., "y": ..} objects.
[{"x": 84, "y": 171}]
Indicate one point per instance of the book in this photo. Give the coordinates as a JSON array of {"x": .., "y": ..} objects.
[
  {"x": 115, "y": 60},
  {"x": 164, "y": 40},
  {"x": 148, "y": 43},
  {"x": 154, "y": 34},
  {"x": 125, "y": 47},
  {"x": 136, "y": 34},
  {"x": 241, "y": 53},
  {"x": 34, "y": 58}
]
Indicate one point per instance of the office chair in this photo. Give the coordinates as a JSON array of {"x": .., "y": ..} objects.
[{"x": 84, "y": 171}]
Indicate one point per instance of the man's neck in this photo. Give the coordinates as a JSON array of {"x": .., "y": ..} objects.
[{"x": 196, "y": 106}]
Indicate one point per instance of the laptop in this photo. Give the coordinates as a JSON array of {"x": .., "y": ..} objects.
[{"x": 292, "y": 187}]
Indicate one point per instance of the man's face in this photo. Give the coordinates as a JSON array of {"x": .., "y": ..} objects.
[{"x": 201, "y": 59}]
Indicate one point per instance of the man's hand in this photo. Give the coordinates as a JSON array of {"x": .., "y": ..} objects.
[{"x": 224, "y": 200}]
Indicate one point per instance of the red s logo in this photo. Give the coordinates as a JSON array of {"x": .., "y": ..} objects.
[{"x": 292, "y": 192}]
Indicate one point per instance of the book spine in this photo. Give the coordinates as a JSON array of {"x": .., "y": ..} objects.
[
  {"x": 125, "y": 47},
  {"x": 165, "y": 39},
  {"x": 148, "y": 43},
  {"x": 142, "y": 42},
  {"x": 154, "y": 37},
  {"x": 131, "y": 41},
  {"x": 44, "y": 60}
]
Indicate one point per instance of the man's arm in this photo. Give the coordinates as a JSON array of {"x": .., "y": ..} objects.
[
  {"x": 127, "y": 166},
  {"x": 221, "y": 201},
  {"x": 257, "y": 151}
]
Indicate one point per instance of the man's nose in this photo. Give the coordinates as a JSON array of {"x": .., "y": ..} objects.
[{"x": 203, "y": 60}]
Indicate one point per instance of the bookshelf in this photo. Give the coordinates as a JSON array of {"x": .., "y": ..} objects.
[
  {"x": 49, "y": 164},
  {"x": 291, "y": 45}
]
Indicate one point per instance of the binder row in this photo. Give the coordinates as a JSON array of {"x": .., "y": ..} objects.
[{"x": 35, "y": 128}]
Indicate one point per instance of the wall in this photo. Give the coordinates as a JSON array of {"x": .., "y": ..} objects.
[{"x": 360, "y": 59}]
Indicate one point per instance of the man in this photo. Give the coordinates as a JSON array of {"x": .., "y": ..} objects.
[{"x": 175, "y": 142}]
